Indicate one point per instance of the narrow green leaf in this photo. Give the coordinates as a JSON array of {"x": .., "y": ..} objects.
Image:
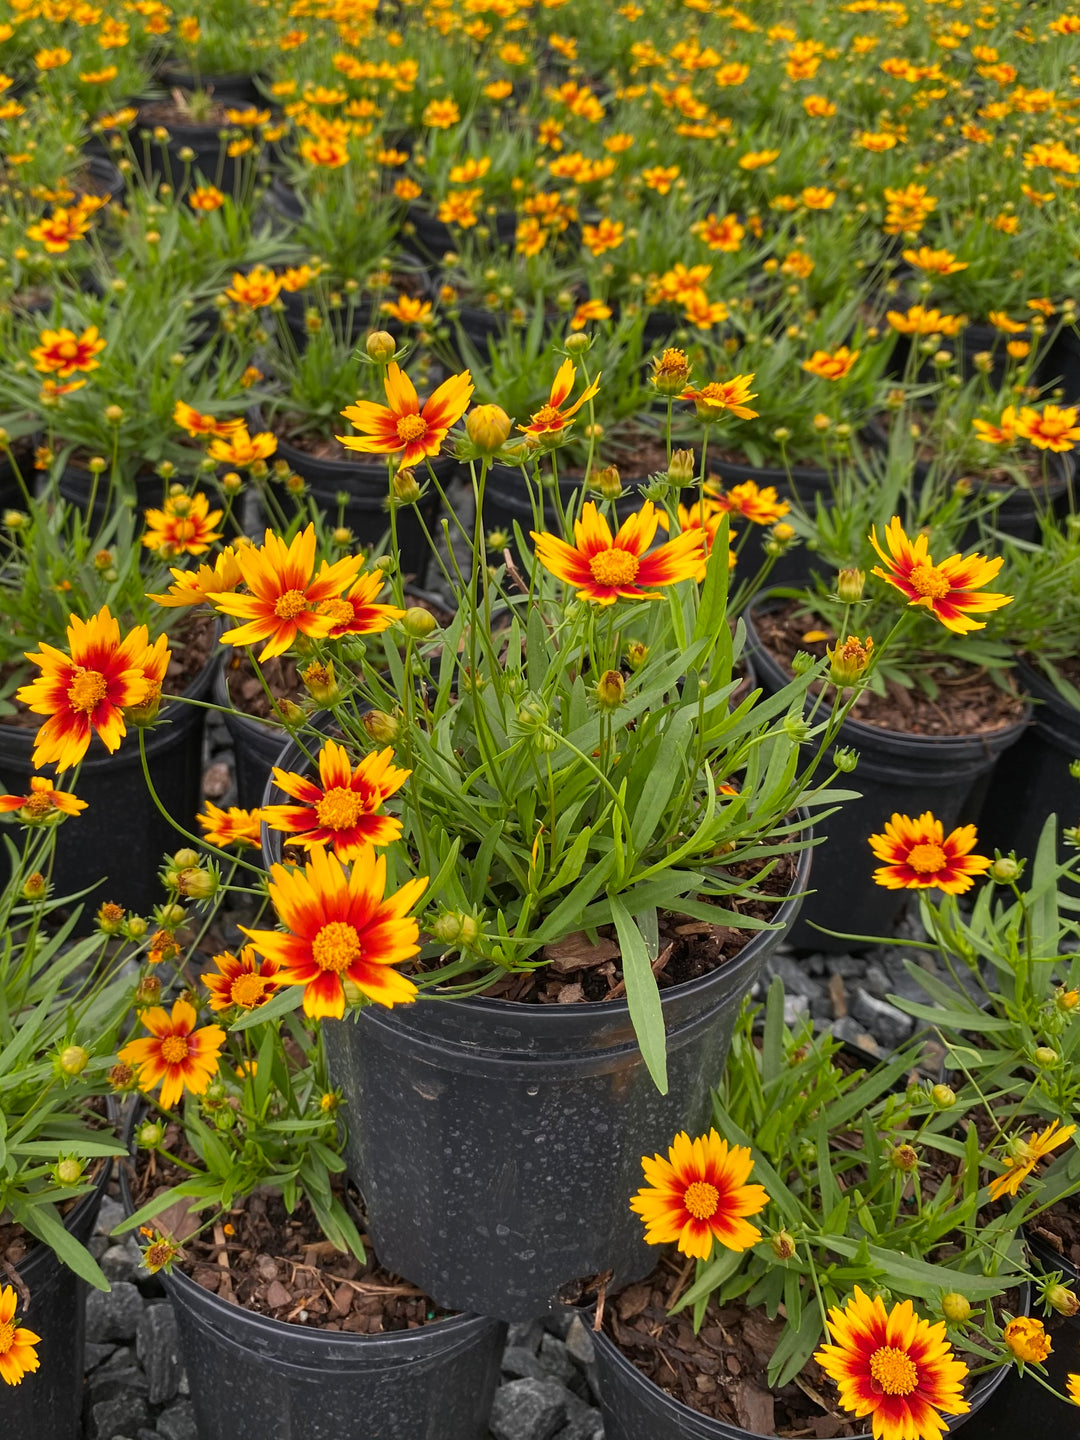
[{"x": 642, "y": 994}]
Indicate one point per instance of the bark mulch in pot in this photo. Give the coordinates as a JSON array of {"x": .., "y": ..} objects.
[
  {"x": 969, "y": 701},
  {"x": 280, "y": 1265}
]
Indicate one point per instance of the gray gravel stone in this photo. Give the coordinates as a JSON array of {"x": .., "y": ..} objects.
[
  {"x": 846, "y": 966},
  {"x": 158, "y": 1348},
  {"x": 529, "y": 1410},
  {"x": 113, "y": 1315},
  {"x": 556, "y": 1361},
  {"x": 122, "y": 1261},
  {"x": 95, "y": 1355},
  {"x": 579, "y": 1343},
  {"x": 795, "y": 1007},
  {"x": 122, "y": 1415},
  {"x": 797, "y": 980},
  {"x": 888, "y": 1025},
  {"x": 110, "y": 1383},
  {"x": 522, "y": 1364},
  {"x": 525, "y": 1336},
  {"x": 109, "y": 1216},
  {"x": 178, "y": 1422},
  {"x": 585, "y": 1427}
]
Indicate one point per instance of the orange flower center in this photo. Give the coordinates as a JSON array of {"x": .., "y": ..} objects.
[
  {"x": 38, "y": 803},
  {"x": 546, "y": 415},
  {"x": 336, "y": 947},
  {"x": 340, "y": 808},
  {"x": 894, "y": 1370},
  {"x": 411, "y": 427},
  {"x": 291, "y": 604},
  {"x": 247, "y": 990},
  {"x": 87, "y": 690},
  {"x": 67, "y": 349},
  {"x": 184, "y": 529},
  {"x": 340, "y": 611},
  {"x": 701, "y": 1199},
  {"x": 927, "y": 859},
  {"x": 174, "y": 1049},
  {"x": 928, "y": 580},
  {"x": 7, "y": 1336},
  {"x": 614, "y": 567}
]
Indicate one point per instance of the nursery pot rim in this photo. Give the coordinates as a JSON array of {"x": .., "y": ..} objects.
[
  {"x": 973, "y": 741},
  {"x": 984, "y": 1389},
  {"x": 309, "y": 1337}
]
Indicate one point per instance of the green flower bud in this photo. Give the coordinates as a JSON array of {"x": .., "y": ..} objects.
[
  {"x": 955, "y": 1307},
  {"x": 943, "y": 1097},
  {"x": 74, "y": 1059}
]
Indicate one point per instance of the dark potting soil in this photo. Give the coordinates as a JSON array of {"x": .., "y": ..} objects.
[
  {"x": 174, "y": 112},
  {"x": 721, "y": 1372},
  {"x": 246, "y": 689},
  {"x": 579, "y": 971},
  {"x": 968, "y": 701},
  {"x": 273, "y": 1263},
  {"x": 1059, "y": 1227}
]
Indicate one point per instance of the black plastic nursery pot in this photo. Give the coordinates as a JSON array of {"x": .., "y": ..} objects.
[
  {"x": 367, "y": 487},
  {"x": 256, "y": 1378},
  {"x": 635, "y": 1409},
  {"x": 234, "y": 87},
  {"x": 47, "y": 1404},
  {"x": 257, "y": 745},
  {"x": 253, "y": 1377},
  {"x": 115, "y": 846},
  {"x": 1061, "y": 366},
  {"x": 496, "y": 1144},
  {"x": 160, "y": 161},
  {"x": 897, "y": 772},
  {"x": 1032, "y": 780},
  {"x": 76, "y": 486},
  {"x": 427, "y": 237},
  {"x": 804, "y": 484}
]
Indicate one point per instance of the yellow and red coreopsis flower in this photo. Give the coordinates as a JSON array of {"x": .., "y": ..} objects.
[
  {"x": 602, "y": 567},
  {"x": 43, "y": 804},
  {"x": 175, "y": 1053},
  {"x": 934, "y": 262},
  {"x": 400, "y": 427},
  {"x": 231, "y": 827},
  {"x": 258, "y": 288},
  {"x": 603, "y": 236},
  {"x": 760, "y": 504},
  {"x": 832, "y": 366},
  {"x": 408, "y": 310},
  {"x": 1052, "y": 428},
  {"x": 1026, "y": 1155},
  {"x": 895, "y": 1367},
  {"x": 55, "y": 232},
  {"x": 720, "y": 397},
  {"x": 183, "y": 526},
  {"x": 284, "y": 600},
  {"x": 1072, "y": 1383},
  {"x": 341, "y": 926},
  {"x": 241, "y": 449},
  {"x": 17, "y": 1354},
  {"x": 553, "y": 417},
  {"x": 918, "y": 320},
  {"x": 949, "y": 589},
  {"x": 1026, "y": 1337},
  {"x": 698, "y": 1196},
  {"x": 918, "y": 855},
  {"x": 62, "y": 352},
  {"x": 342, "y": 809},
  {"x": 706, "y": 520},
  {"x": 200, "y": 426},
  {"x": 86, "y": 692},
  {"x": 205, "y": 198},
  {"x": 242, "y": 980},
  {"x": 1001, "y": 434},
  {"x": 195, "y": 587}
]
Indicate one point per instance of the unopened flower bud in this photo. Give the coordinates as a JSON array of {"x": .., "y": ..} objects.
[
  {"x": 406, "y": 489},
  {"x": 1062, "y": 1299},
  {"x": 342, "y": 535},
  {"x": 955, "y": 1307},
  {"x": 1005, "y": 869},
  {"x": 606, "y": 482},
  {"x": 783, "y": 533},
  {"x": 845, "y": 759},
  {"x": 610, "y": 690},
  {"x": 943, "y": 1097},
  {"x": 577, "y": 343},
  {"x": 781, "y": 434},
  {"x": 320, "y": 683},
  {"x": 380, "y": 726},
  {"x": 455, "y": 927},
  {"x": 113, "y": 414},
  {"x": 418, "y": 623},
  {"x": 74, "y": 1059},
  {"x": 1045, "y": 1057},
  {"x": 801, "y": 662},
  {"x": 636, "y": 654},
  {"x": 1066, "y": 1000},
  {"x": 35, "y": 886},
  {"x": 381, "y": 346},
  {"x": 183, "y": 858},
  {"x": 850, "y": 585},
  {"x": 904, "y": 1158},
  {"x": 783, "y": 1245},
  {"x": 69, "y": 1171},
  {"x": 796, "y": 728},
  {"x": 196, "y": 883},
  {"x": 488, "y": 427},
  {"x": 681, "y": 467},
  {"x": 14, "y": 519},
  {"x": 150, "y": 1134},
  {"x": 148, "y": 990}
]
